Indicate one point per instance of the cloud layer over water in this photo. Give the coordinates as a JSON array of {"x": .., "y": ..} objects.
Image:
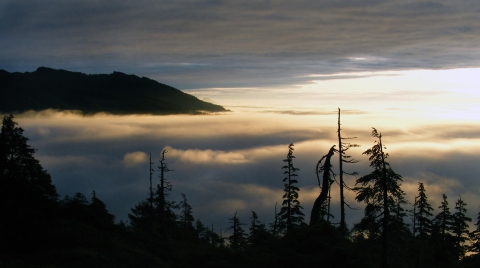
[{"x": 222, "y": 173}]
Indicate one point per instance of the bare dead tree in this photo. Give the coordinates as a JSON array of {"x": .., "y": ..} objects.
[
  {"x": 326, "y": 168},
  {"x": 343, "y": 158}
]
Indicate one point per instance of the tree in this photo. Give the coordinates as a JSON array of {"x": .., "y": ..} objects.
[
  {"x": 254, "y": 224},
  {"x": 442, "y": 234},
  {"x": 151, "y": 187},
  {"x": 258, "y": 231},
  {"x": 19, "y": 170},
  {"x": 422, "y": 213},
  {"x": 163, "y": 188},
  {"x": 475, "y": 237},
  {"x": 238, "y": 237},
  {"x": 460, "y": 226},
  {"x": 156, "y": 215},
  {"x": 343, "y": 158},
  {"x": 274, "y": 225},
  {"x": 76, "y": 208},
  {"x": 380, "y": 190},
  {"x": 28, "y": 199},
  {"x": 326, "y": 168},
  {"x": 201, "y": 230},
  {"x": 102, "y": 218},
  {"x": 142, "y": 216},
  {"x": 291, "y": 214},
  {"x": 186, "y": 218},
  {"x": 325, "y": 214},
  {"x": 444, "y": 220}
]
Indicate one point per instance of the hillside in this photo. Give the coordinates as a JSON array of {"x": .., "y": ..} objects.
[{"x": 115, "y": 93}]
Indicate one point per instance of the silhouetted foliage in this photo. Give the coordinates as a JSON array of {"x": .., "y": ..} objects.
[
  {"x": 460, "y": 226},
  {"x": 443, "y": 241},
  {"x": 381, "y": 192},
  {"x": 159, "y": 219},
  {"x": 238, "y": 238},
  {"x": 475, "y": 237},
  {"x": 444, "y": 220},
  {"x": 274, "y": 226},
  {"x": 258, "y": 232},
  {"x": 186, "y": 216},
  {"x": 38, "y": 230},
  {"x": 28, "y": 199},
  {"x": 290, "y": 215},
  {"x": 423, "y": 214}
]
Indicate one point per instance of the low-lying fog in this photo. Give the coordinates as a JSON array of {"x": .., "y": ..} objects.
[{"x": 231, "y": 162}]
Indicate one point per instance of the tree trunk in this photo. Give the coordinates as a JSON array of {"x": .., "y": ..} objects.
[
  {"x": 386, "y": 213},
  {"x": 343, "y": 226},
  {"x": 314, "y": 216}
]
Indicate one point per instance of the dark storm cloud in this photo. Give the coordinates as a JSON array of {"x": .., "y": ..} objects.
[{"x": 192, "y": 44}]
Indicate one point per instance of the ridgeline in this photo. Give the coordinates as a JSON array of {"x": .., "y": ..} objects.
[{"x": 115, "y": 93}]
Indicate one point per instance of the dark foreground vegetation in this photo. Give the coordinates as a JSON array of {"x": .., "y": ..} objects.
[
  {"x": 115, "y": 93},
  {"x": 38, "y": 229}
]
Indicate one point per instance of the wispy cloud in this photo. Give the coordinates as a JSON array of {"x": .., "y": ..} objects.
[
  {"x": 135, "y": 158},
  {"x": 192, "y": 44},
  {"x": 196, "y": 156}
]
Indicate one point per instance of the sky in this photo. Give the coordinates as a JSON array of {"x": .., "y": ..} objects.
[{"x": 283, "y": 68}]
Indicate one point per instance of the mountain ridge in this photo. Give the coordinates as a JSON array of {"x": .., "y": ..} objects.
[{"x": 115, "y": 93}]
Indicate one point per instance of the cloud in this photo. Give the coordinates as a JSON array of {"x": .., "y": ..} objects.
[
  {"x": 300, "y": 112},
  {"x": 232, "y": 163},
  {"x": 135, "y": 158},
  {"x": 194, "y": 44},
  {"x": 50, "y": 160},
  {"x": 195, "y": 156}
]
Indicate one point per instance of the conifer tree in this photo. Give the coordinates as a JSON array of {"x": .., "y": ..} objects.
[
  {"x": 274, "y": 226},
  {"x": 238, "y": 238},
  {"x": 28, "y": 199},
  {"x": 186, "y": 217},
  {"x": 102, "y": 218},
  {"x": 142, "y": 217},
  {"x": 213, "y": 238},
  {"x": 254, "y": 224},
  {"x": 162, "y": 219},
  {"x": 423, "y": 214},
  {"x": 20, "y": 172},
  {"x": 475, "y": 237},
  {"x": 201, "y": 230},
  {"x": 76, "y": 208},
  {"x": 443, "y": 236},
  {"x": 291, "y": 214},
  {"x": 380, "y": 190},
  {"x": 444, "y": 219},
  {"x": 460, "y": 226},
  {"x": 257, "y": 229}
]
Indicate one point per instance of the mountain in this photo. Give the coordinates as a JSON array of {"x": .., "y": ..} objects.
[{"x": 115, "y": 93}]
